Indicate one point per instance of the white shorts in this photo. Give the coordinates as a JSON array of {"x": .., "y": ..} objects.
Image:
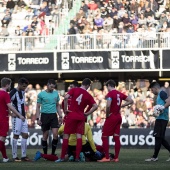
[{"x": 18, "y": 126}]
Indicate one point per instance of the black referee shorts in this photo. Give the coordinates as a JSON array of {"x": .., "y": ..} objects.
[
  {"x": 49, "y": 121},
  {"x": 160, "y": 128}
]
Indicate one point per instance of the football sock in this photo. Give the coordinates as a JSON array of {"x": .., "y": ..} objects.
[
  {"x": 14, "y": 147},
  {"x": 49, "y": 157},
  {"x": 117, "y": 146},
  {"x": 100, "y": 148},
  {"x": 23, "y": 147},
  {"x": 54, "y": 146},
  {"x": 78, "y": 147},
  {"x": 44, "y": 145},
  {"x": 106, "y": 146},
  {"x": 158, "y": 142},
  {"x": 166, "y": 144},
  {"x": 3, "y": 149},
  {"x": 64, "y": 148}
]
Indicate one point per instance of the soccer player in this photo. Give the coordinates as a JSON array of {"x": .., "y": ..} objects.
[
  {"x": 48, "y": 100},
  {"x": 5, "y": 104},
  {"x": 161, "y": 121},
  {"x": 113, "y": 119},
  {"x": 19, "y": 127},
  {"x": 75, "y": 121}
]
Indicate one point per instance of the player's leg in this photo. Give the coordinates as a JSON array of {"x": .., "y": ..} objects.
[
  {"x": 48, "y": 157},
  {"x": 116, "y": 138},
  {"x": 24, "y": 133},
  {"x": 164, "y": 141},
  {"x": 4, "y": 126},
  {"x": 16, "y": 129},
  {"x": 79, "y": 132},
  {"x": 54, "y": 127},
  {"x": 106, "y": 132},
  {"x": 158, "y": 141},
  {"x": 45, "y": 119}
]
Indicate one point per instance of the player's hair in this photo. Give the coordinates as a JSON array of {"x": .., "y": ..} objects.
[
  {"x": 86, "y": 82},
  {"x": 75, "y": 83},
  {"x": 154, "y": 84},
  {"x": 23, "y": 81},
  {"x": 5, "y": 81},
  {"x": 51, "y": 81},
  {"x": 111, "y": 83}
]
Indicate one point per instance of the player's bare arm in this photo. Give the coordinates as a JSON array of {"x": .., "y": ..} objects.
[
  {"x": 38, "y": 114},
  {"x": 66, "y": 104},
  {"x": 59, "y": 113},
  {"x": 93, "y": 108},
  {"x": 128, "y": 100},
  {"x": 15, "y": 112},
  {"x": 108, "y": 104}
]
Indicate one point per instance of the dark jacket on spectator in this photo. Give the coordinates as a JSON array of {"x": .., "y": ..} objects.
[{"x": 10, "y": 4}]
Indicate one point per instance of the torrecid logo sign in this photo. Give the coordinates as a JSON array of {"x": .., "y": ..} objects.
[{"x": 26, "y": 61}]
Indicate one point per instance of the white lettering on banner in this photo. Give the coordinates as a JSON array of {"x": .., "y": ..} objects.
[
  {"x": 94, "y": 59},
  {"x": 24, "y": 61},
  {"x": 135, "y": 58},
  {"x": 125, "y": 139}
]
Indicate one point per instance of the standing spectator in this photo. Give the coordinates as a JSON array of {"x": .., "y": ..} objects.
[
  {"x": 134, "y": 6},
  {"x": 161, "y": 121},
  {"x": 18, "y": 126},
  {"x": 75, "y": 121},
  {"x": 166, "y": 88},
  {"x": 48, "y": 101},
  {"x": 5, "y": 106},
  {"x": 113, "y": 119},
  {"x": 153, "y": 5},
  {"x": 84, "y": 8}
]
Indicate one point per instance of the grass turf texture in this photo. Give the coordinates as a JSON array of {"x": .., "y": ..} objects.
[{"x": 130, "y": 159}]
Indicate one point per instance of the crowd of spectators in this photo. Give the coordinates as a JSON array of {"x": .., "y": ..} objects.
[
  {"x": 31, "y": 18},
  {"x": 95, "y": 19},
  {"x": 139, "y": 115},
  {"x": 101, "y": 17}
]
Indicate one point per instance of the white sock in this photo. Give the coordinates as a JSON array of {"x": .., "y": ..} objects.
[
  {"x": 23, "y": 147},
  {"x": 14, "y": 148}
]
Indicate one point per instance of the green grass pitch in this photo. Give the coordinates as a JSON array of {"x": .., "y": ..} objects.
[{"x": 130, "y": 159}]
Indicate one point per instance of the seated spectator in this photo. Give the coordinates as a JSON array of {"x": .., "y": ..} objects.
[
  {"x": 6, "y": 19},
  {"x": 10, "y": 5},
  {"x": 29, "y": 14},
  {"x": 20, "y": 5},
  {"x": 34, "y": 23},
  {"x": 98, "y": 21},
  {"x": 18, "y": 31},
  {"x": 44, "y": 10}
]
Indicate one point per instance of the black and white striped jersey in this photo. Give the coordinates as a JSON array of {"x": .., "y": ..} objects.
[{"x": 18, "y": 100}]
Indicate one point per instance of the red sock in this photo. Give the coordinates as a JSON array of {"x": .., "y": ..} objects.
[
  {"x": 64, "y": 148},
  {"x": 106, "y": 146},
  {"x": 3, "y": 149},
  {"x": 49, "y": 157},
  {"x": 78, "y": 147},
  {"x": 117, "y": 146},
  {"x": 100, "y": 148}
]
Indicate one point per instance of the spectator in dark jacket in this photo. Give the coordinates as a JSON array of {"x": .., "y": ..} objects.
[{"x": 10, "y": 5}]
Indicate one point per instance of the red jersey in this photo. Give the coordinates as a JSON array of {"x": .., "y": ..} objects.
[
  {"x": 116, "y": 97},
  {"x": 80, "y": 99},
  {"x": 4, "y": 100}
]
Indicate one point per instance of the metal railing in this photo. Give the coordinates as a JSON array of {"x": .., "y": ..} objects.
[{"x": 86, "y": 42}]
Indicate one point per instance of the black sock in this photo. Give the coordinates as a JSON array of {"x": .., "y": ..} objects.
[
  {"x": 44, "y": 145},
  {"x": 54, "y": 146}
]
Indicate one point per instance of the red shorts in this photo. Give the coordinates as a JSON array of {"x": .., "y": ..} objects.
[
  {"x": 4, "y": 128},
  {"x": 73, "y": 126},
  {"x": 112, "y": 125}
]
